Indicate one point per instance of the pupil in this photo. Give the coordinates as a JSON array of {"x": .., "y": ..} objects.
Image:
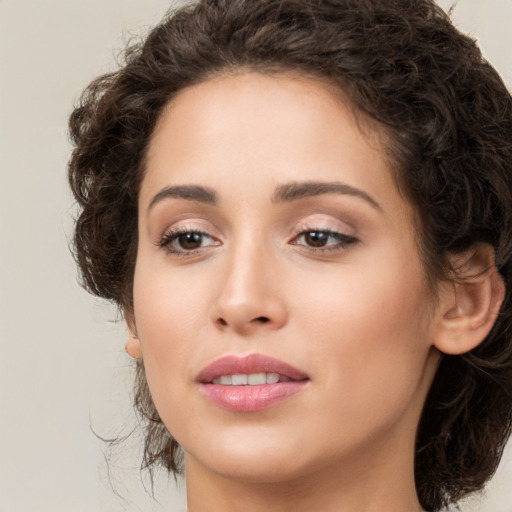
[
  {"x": 316, "y": 238},
  {"x": 190, "y": 240}
]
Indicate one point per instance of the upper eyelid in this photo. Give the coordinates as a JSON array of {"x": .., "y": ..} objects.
[
  {"x": 330, "y": 232},
  {"x": 176, "y": 231},
  {"x": 190, "y": 224},
  {"x": 319, "y": 220},
  {"x": 332, "y": 225}
]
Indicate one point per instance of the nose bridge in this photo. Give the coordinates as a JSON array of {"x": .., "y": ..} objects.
[{"x": 247, "y": 297}]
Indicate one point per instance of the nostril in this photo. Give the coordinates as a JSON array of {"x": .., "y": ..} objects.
[{"x": 239, "y": 323}]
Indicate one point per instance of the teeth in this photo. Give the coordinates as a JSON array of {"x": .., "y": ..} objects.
[
  {"x": 272, "y": 378},
  {"x": 255, "y": 379},
  {"x": 239, "y": 379},
  {"x": 226, "y": 380},
  {"x": 251, "y": 379}
]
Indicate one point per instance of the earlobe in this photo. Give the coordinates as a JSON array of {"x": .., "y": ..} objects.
[
  {"x": 470, "y": 305},
  {"x": 133, "y": 347}
]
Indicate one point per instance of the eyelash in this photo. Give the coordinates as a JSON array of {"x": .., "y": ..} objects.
[
  {"x": 171, "y": 236},
  {"x": 343, "y": 241}
]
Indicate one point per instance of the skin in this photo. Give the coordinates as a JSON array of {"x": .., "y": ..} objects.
[{"x": 357, "y": 315}]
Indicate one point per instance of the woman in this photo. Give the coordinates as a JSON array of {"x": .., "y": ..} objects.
[{"x": 304, "y": 211}]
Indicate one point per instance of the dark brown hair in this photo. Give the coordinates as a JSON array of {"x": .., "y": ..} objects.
[{"x": 448, "y": 118}]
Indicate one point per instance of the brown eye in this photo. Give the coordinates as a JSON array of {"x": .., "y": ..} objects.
[
  {"x": 316, "y": 238},
  {"x": 186, "y": 242},
  {"x": 190, "y": 241},
  {"x": 323, "y": 240}
]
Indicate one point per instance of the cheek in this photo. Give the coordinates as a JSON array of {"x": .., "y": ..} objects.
[
  {"x": 378, "y": 303},
  {"x": 166, "y": 314},
  {"x": 369, "y": 334},
  {"x": 167, "y": 303}
]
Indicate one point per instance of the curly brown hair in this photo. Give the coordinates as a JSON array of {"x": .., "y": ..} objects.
[{"x": 448, "y": 118}]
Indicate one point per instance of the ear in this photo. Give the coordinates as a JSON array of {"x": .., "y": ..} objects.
[
  {"x": 469, "y": 304},
  {"x": 132, "y": 345}
]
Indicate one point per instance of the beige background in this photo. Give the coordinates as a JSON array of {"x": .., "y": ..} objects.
[{"x": 62, "y": 365}]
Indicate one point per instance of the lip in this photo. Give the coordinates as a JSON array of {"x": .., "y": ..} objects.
[{"x": 250, "y": 398}]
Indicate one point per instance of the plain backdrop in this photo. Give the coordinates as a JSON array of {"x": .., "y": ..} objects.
[{"x": 63, "y": 371}]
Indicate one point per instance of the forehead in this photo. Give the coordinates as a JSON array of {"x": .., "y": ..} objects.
[{"x": 262, "y": 121}]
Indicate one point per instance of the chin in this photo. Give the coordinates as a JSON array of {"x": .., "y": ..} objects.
[{"x": 257, "y": 457}]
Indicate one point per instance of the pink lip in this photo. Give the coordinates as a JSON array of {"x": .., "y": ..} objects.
[{"x": 249, "y": 398}]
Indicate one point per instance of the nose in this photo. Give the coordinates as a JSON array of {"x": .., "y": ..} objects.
[{"x": 250, "y": 298}]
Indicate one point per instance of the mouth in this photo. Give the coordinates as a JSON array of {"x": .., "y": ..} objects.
[
  {"x": 250, "y": 383},
  {"x": 251, "y": 379}
]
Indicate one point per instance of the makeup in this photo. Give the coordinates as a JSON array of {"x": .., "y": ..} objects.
[{"x": 250, "y": 383}]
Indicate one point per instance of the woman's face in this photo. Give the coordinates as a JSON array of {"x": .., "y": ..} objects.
[{"x": 274, "y": 246}]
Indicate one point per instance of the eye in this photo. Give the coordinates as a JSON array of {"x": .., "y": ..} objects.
[
  {"x": 323, "y": 239},
  {"x": 184, "y": 241}
]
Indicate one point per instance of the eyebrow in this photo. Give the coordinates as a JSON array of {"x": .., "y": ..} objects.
[
  {"x": 188, "y": 192},
  {"x": 283, "y": 193},
  {"x": 300, "y": 190}
]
